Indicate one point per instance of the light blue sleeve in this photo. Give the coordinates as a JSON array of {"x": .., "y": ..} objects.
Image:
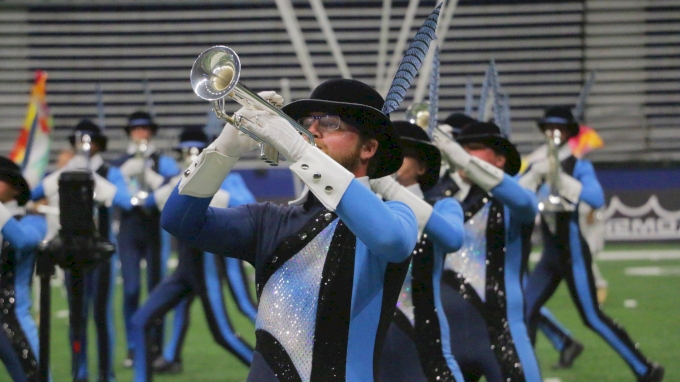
[
  {"x": 519, "y": 200},
  {"x": 445, "y": 227},
  {"x": 122, "y": 197},
  {"x": 26, "y": 234},
  {"x": 388, "y": 229},
  {"x": 168, "y": 167},
  {"x": 237, "y": 189},
  {"x": 591, "y": 193},
  {"x": 38, "y": 192}
]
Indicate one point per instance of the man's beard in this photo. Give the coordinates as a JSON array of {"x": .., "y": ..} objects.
[{"x": 350, "y": 160}]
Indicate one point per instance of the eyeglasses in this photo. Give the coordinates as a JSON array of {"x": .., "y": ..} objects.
[{"x": 326, "y": 122}]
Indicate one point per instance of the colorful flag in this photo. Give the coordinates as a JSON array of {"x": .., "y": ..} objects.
[
  {"x": 32, "y": 149},
  {"x": 586, "y": 141}
]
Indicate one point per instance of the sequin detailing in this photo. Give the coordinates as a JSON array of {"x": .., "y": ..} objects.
[
  {"x": 405, "y": 301},
  {"x": 470, "y": 260},
  {"x": 288, "y": 303}
]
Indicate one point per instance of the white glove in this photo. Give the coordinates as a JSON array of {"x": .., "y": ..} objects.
[
  {"x": 233, "y": 142},
  {"x": 278, "y": 132},
  {"x": 221, "y": 199},
  {"x": 570, "y": 188},
  {"x": 104, "y": 191},
  {"x": 390, "y": 189},
  {"x": 452, "y": 151},
  {"x": 271, "y": 97},
  {"x": 153, "y": 179},
  {"x": 133, "y": 167},
  {"x": 485, "y": 175},
  {"x": 535, "y": 176},
  {"x": 51, "y": 183}
]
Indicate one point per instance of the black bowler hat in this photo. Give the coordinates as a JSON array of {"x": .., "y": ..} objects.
[
  {"x": 358, "y": 105},
  {"x": 457, "y": 121},
  {"x": 140, "y": 119},
  {"x": 413, "y": 137},
  {"x": 86, "y": 126},
  {"x": 192, "y": 137},
  {"x": 560, "y": 115},
  {"x": 490, "y": 135},
  {"x": 11, "y": 173}
]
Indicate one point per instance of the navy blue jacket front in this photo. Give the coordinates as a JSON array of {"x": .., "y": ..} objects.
[{"x": 327, "y": 282}]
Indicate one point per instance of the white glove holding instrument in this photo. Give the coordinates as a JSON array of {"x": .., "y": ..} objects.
[
  {"x": 390, "y": 189},
  {"x": 204, "y": 177},
  {"x": 133, "y": 167},
  {"x": 485, "y": 175},
  {"x": 568, "y": 187},
  {"x": 535, "y": 176},
  {"x": 278, "y": 132},
  {"x": 104, "y": 191}
]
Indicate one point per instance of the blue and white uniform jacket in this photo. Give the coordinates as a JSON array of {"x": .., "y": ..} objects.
[
  {"x": 487, "y": 270},
  {"x": 21, "y": 235},
  {"x": 327, "y": 282}
]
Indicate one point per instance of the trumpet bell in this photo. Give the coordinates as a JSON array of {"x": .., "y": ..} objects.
[
  {"x": 419, "y": 114},
  {"x": 215, "y": 73}
]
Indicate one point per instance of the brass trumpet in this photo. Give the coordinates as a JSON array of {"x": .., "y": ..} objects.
[
  {"x": 215, "y": 76},
  {"x": 141, "y": 189},
  {"x": 419, "y": 114},
  {"x": 554, "y": 202}
]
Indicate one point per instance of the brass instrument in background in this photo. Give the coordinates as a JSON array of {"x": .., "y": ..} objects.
[
  {"x": 215, "y": 75},
  {"x": 419, "y": 114},
  {"x": 84, "y": 146},
  {"x": 554, "y": 202},
  {"x": 140, "y": 189}
]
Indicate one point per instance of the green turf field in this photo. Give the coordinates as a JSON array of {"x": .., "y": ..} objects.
[{"x": 654, "y": 323}]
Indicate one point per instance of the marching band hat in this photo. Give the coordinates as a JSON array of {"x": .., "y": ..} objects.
[
  {"x": 559, "y": 115},
  {"x": 192, "y": 137},
  {"x": 457, "y": 121},
  {"x": 490, "y": 135},
  {"x": 414, "y": 138},
  {"x": 358, "y": 105},
  {"x": 86, "y": 126},
  {"x": 11, "y": 173},
  {"x": 140, "y": 119}
]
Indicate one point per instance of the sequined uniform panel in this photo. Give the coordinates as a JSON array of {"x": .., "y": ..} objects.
[
  {"x": 470, "y": 261},
  {"x": 405, "y": 301},
  {"x": 289, "y": 299},
  {"x": 427, "y": 327},
  {"x": 11, "y": 327}
]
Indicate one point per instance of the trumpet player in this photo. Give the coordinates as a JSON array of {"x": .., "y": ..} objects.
[
  {"x": 417, "y": 346},
  {"x": 566, "y": 254},
  {"x": 139, "y": 236},
  {"x": 329, "y": 265},
  {"x": 481, "y": 287}
]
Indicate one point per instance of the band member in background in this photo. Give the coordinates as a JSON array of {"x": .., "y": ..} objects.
[
  {"x": 482, "y": 289},
  {"x": 417, "y": 346},
  {"x": 566, "y": 254},
  {"x": 139, "y": 236},
  {"x": 329, "y": 266},
  {"x": 197, "y": 274},
  {"x": 21, "y": 235}
]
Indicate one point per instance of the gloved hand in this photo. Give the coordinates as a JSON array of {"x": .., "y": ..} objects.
[
  {"x": 390, "y": 189},
  {"x": 233, "y": 142},
  {"x": 77, "y": 162},
  {"x": 153, "y": 179},
  {"x": 133, "y": 167},
  {"x": 271, "y": 97},
  {"x": 536, "y": 175},
  {"x": 104, "y": 191},
  {"x": 452, "y": 152},
  {"x": 278, "y": 132}
]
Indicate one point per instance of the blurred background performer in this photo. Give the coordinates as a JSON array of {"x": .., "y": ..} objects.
[
  {"x": 329, "y": 266},
  {"x": 21, "y": 235},
  {"x": 481, "y": 289},
  {"x": 417, "y": 345},
  {"x": 139, "y": 236},
  {"x": 197, "y": 274},
  {"x": 566, "y": 255}
]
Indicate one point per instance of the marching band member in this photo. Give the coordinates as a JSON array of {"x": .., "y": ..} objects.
[
  {"x": 566, "y": 254},
  {"x": 329, "y": 266},
  {"x": 139, "y": 236},
  {"x": 21, "y": 235},
  {"x": 196, "y": 275},
  {"x": 417, "y": 346},
  {"x": 481, "y": 289}
]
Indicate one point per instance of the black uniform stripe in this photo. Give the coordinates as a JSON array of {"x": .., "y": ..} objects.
[{"x": 276, "y": 357}]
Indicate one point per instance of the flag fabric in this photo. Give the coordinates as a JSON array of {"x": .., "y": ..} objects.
[
  {"x": 586, "y": 141},
  {"x": 32, "y": 148}
]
